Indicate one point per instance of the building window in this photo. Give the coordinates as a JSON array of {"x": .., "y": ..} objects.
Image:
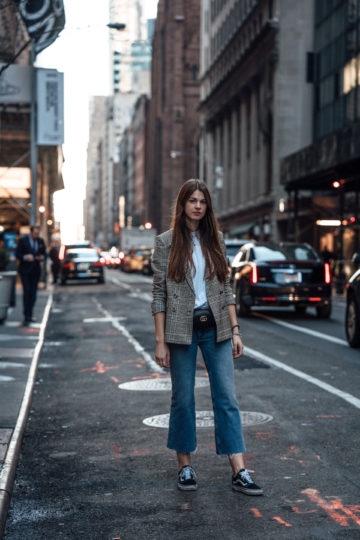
[
  {"x": 238, "y": 133},
  {"x": 248, "y": 125},
  {"x": 230, "y": 140}
]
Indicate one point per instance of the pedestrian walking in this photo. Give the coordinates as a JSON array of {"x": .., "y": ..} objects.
[
  {"x": 193, "y": 306},
  {"x": 30, "y": 253},
  {"x": 55, "y": 262}
]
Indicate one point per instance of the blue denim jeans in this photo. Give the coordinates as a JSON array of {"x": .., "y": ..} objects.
[{"x": 219, "y": 364}]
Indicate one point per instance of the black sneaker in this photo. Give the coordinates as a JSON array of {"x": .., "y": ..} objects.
[
  {"x": 244, "y": 483},
  {"x": 187, "y": 479}
]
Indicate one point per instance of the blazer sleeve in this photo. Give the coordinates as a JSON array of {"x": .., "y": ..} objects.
[
  {"x": 159, "y": 266},
  {"x": 21, "y": 249},
  {"x": 228, "y": 291}
]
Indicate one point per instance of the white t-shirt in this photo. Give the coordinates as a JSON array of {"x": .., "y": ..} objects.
[{"x": 198, "y": 273}]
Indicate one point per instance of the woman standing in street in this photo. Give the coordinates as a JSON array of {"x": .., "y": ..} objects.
[{"x": 193, "y": 306}]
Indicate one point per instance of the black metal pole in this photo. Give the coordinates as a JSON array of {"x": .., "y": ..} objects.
[{"x": 33, "y": 145}]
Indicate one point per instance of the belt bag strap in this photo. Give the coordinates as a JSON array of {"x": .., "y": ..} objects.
[{"x": 203, "y": 319}]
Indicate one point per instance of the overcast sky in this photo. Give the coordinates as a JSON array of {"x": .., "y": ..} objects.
[{"x": 82, "y": 53}]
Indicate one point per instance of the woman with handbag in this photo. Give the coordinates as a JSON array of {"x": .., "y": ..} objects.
[{"x": 193, "y": 306}]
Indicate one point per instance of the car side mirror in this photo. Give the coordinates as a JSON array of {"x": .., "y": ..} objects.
[{"x": 356, "y": 258}]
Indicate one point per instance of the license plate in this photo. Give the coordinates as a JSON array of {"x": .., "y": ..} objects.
[
  {"x": 287, "y": 277},
  {"x": 83, "y": 266},
  {"x": 292, "y": 278}
]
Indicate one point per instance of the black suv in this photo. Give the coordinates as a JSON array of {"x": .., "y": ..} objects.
[{"x": 352, "y": 317}]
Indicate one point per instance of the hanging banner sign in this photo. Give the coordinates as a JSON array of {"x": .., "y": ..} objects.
[
  {"x": 44, "y": 20},
  {"x": 50, "y": 107},
  {"x": 15, "y": 84}
]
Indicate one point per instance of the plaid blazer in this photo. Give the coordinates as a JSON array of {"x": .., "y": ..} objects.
[{"x": 177, "y": 299}]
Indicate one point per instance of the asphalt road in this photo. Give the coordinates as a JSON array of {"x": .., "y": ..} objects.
[{"x": 94, "y": 465}]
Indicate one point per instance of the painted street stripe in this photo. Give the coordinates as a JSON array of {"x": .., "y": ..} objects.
[
  {"x": 308, "y": 378},
  {"x": 6, "y": 378},
  {"x": 16, "y": 353},
  {"x": 137, "y": 346},
  {"x": 7, "y": 365},
  {"x": 10, "y": 337},
  {"x": 304, "y": 330}
]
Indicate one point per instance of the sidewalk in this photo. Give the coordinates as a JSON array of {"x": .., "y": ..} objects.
[{"x": 18, "y": 347}]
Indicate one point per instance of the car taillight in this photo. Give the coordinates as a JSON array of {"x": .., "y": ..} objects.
[
  {"x": 69, "y": 265},
  {"x": 253, "y": 274},
  {"x": 327, "y": 273},
  {"x": 61, "y": 253},
  {"x": 102, "y": 260},
  {"x": 117, "y": 260},
  {"x": 121, "y": 254},
  {"x": 98, "y": 263}
]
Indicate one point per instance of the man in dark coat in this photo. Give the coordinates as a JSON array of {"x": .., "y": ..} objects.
[{"x": 30, "y": 252}]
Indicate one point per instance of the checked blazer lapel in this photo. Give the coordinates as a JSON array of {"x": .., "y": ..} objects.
[{"x": 189, "y": 279}]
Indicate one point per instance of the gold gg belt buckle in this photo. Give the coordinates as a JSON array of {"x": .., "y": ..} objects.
[{"x": 203, "y": 318}]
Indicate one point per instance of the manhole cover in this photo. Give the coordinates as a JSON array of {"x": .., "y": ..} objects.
[
  {"x": 206, "y": 419},
  {"x": 161, "y": 384}
]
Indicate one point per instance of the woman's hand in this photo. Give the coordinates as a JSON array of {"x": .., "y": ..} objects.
[
  {"x": 238, "y": 346},
  {"x": 162, "y": 355}
]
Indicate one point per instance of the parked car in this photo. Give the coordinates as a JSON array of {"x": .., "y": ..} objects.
[
  {"x": 134, "y": 259},
  {"x": 147, "y": 268},
  {"x": 108, "y": 260},
  {"x": 64, "y": 247},
  {"x": 232, "y": 246},
  {"x": 352, "y": 314},
  {"x": 282, "y": 274},
  {"x": 81, "y": 263}
]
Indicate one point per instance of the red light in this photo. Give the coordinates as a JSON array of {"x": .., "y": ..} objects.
[
  {"x": 336, "y": 184},
  {"x": 352, "y": 219},
  {"x": 253, "y": 274},
  {"x": 99, "y": 263},
  {"x": 66, "y": 265},
  {"x": 327, "y": 274},
  {"x": 117, "y": 260},
  {"x": 269, "y": 298},
  {"x": 315, "y": 299},
  {"x": 62, "y": 253}
]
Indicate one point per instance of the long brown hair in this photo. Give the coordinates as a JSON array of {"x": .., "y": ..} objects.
[{"x": 181, "y": 247}]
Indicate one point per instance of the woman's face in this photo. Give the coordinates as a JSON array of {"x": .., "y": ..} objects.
[{"x": 195, "y": 207}]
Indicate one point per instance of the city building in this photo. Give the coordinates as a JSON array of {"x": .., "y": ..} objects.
[
  {"x": 15, "y": 99},
  {"x": 172, "y": 151},
  {"x": 130, "y": 57},
  {"x": 322, "y": 177},
  {"x": 93, "y": 221},
  {"x": 253, "y": 107}
]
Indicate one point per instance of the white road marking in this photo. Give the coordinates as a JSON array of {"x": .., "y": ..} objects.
[
  {"x": 103, "y": 319},
  {"x": 16, "y": 353},
  {"x": 304, "y": 330},
  {"x": 7, "y": 365},
  {"x": 123, "y": 285},
  {"x": 10, "y": 337},
  {"x": 308, "y": 378},
  {"x": 5, "y": 378},
  {"x": 137, "y": 346}
]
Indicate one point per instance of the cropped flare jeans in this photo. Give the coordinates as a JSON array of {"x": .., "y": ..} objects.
[{"x": 219, "y": 364}]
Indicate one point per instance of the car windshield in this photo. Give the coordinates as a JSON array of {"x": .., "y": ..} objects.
[
  {"x": 289, "y": 252},
  {"x": 84, "y": 253}
]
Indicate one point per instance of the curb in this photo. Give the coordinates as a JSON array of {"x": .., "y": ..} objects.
[{"x": 8, "y": 471}]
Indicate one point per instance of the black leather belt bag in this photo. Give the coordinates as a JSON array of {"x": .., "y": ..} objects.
[{"x": 203, "y": 319}]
